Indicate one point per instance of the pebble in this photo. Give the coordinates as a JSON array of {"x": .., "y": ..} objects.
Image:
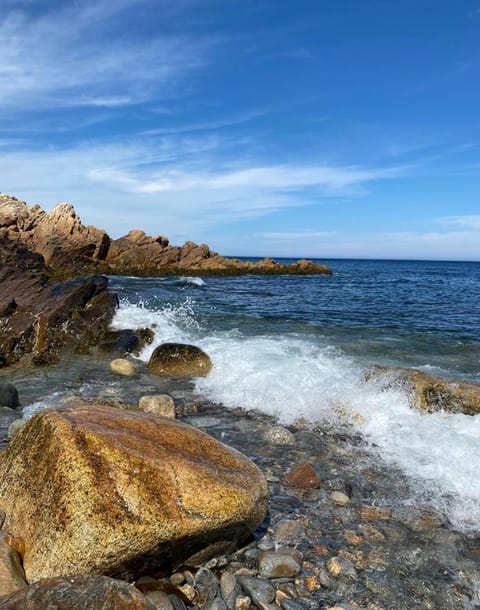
[
  {"x": 280, "y": 564},
  {"x": 243, "y": 602},
  {"x": 15, "y": 426},
  {"x": 159, "y": 404},
  {"x": 259, "y": 590},
  {"x": 289, "y": 532},
  {"x": 340, "y": 498},
  {"x": 279, "y": 436},
  {"x": 302, "y": 476},
  {"x": 160, "y": 600},
  {"x": 340, "y": 566},
  {"x": 177, "y": 579},
  {"x": 292, "y": 604},
  {"x": 230, "y": 589},
  {"x": 122, "y": 366}
]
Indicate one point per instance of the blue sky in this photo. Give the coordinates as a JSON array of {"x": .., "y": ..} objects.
[{"x": 319, "y": 128}]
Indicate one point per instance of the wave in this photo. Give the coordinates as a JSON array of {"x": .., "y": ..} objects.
[
  {"x": 293, "y": 376},
  {"x": 196, "y": 281}
]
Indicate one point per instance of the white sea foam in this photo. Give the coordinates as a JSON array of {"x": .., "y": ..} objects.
[
  {"x": 196, "y": 281},
  {"x": 293, "y": 376}
]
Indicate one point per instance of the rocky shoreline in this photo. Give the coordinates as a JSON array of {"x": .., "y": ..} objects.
[
  {"x": 70, "y": 248},
  {"x": 217, "y": 510},
  {"x": 344, "y": 530}
]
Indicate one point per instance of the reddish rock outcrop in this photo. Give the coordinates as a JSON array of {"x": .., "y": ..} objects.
[
  {"x": 69, "y": 247},
  {"x": 39, "y": 319}
]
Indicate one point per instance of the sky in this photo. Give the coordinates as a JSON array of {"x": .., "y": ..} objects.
[{"x": 306, "y": 128}]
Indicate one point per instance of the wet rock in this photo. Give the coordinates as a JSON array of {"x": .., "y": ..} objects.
[
  {"x": 122, "y": 366},
  {"x": 302, "y": 476},
  {"x": 340, "y": 498},
  {"x": 15, "y": 426},
  {"x": 216, "y": 604},
  {"x": 159, "y": 600},
  {"x": 49, "y": 319},
  {"x": 280, "y": 564},
  {"x": 12, "y": 576},
  {"x": 8, "y": 395},
  {"x": 340, "y": 566},
  {"x": 230, "y": 589},
  {"x": 159, "y": 404},
  {"x": 77, "y": 593},
  {"x": 289, "y": 532},
  {"x": 430, "y": 393},
  {"x": 207, "y": 587},
  {"x": 123, "y": 341},
  {"x": 258, "y": 589},
  {"x": 374, "y": 513},
  {"x": 279, "y": 436},
  {"x": 122, "y": 493},
  {"x": 179, "y": 360},
  {"x": 242, "y": 602},
  {"x": 292, "y": 604},
  {"x": 176, "y": 602}
]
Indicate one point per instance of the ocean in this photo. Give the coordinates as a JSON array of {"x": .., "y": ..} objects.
[{"x": 299, "y": 347}]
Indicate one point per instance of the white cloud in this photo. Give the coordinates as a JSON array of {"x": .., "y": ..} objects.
[
  {"x": 180, "y": 180},
  {"x": 78, "y": 55}
]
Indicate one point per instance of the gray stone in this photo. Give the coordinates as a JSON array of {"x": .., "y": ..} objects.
[
  {"x": 177, "y": 603},
  {"x": 292, "y": 604},
  {"x": 278, "y": 435},
  {"x": 280, "y": 564},
  {"x": 159, "y": 404},
  {"x": 159, "y": 600},
  {"x": 216, "y": 604},
  {"x": 8, "y": 395},
  {"x": 289, "y": 532},
  {"x": 258, "y": 589},
  {"x": 230, "y": 589},
  {"x": 15, "y": 426}
]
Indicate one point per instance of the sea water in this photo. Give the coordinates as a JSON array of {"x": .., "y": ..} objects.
[{"x": 299, "y": 347}]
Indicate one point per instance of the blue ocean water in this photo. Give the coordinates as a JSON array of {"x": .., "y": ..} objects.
[
  {"x": 300, "y": 348},
  {"x": 421, "y": 314}
]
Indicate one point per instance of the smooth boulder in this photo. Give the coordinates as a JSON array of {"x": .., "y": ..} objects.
[
  {"x": 77, "y": 593},
  {"x": 8, "y": 395},
  {"x": 179, "y": 360},
  {"x": 105, "y": 491},
  {"x": 122, "y": 366}
]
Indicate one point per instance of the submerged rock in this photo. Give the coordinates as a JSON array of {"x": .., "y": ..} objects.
[
  {"x": 430, "y": 393},
  {"x": 179, "y": 360},
  {"x": 77, "y": 593},
  {"x": 119, "y": 492},
  {"x": 159, "y": 404},
  {"x": 8, "y": 395},
  {"x": 122, "y": 366}
]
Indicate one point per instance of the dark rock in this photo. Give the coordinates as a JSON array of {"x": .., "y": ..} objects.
[
  {"x": 48, "y": 319},
  {"x": 8, "y": 395},
  {"x": 77, "y": 593},
  {"x": 258, "y": 589},
  {"x": 280, "y": 564},
  {"x": 179, "y": 360}
]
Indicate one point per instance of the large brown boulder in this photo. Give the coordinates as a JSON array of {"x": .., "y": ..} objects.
[
  {"x": 105, "y": 491},
  {"x": 430, "y": 393},
  {"x": 77, "y": 593},
  {"x": 179, "y": 360}
]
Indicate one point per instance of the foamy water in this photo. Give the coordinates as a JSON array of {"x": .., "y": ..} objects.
[{"x": 296, "y": 376}]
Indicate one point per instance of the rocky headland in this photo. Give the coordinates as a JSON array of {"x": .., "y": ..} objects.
[{"x": 70, "y": 248}]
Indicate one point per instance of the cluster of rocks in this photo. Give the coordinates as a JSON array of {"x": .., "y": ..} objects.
[
  {"x": 69, "y": 247},
  {"x": 342, "y": 531}
]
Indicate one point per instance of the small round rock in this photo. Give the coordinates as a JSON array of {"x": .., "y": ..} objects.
[
  {"x": 122, "y": 366},
  {"x": 277, "y": 435},
  {"x": 159, "y": 404},
  {"x": 340, "y": 498}
]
